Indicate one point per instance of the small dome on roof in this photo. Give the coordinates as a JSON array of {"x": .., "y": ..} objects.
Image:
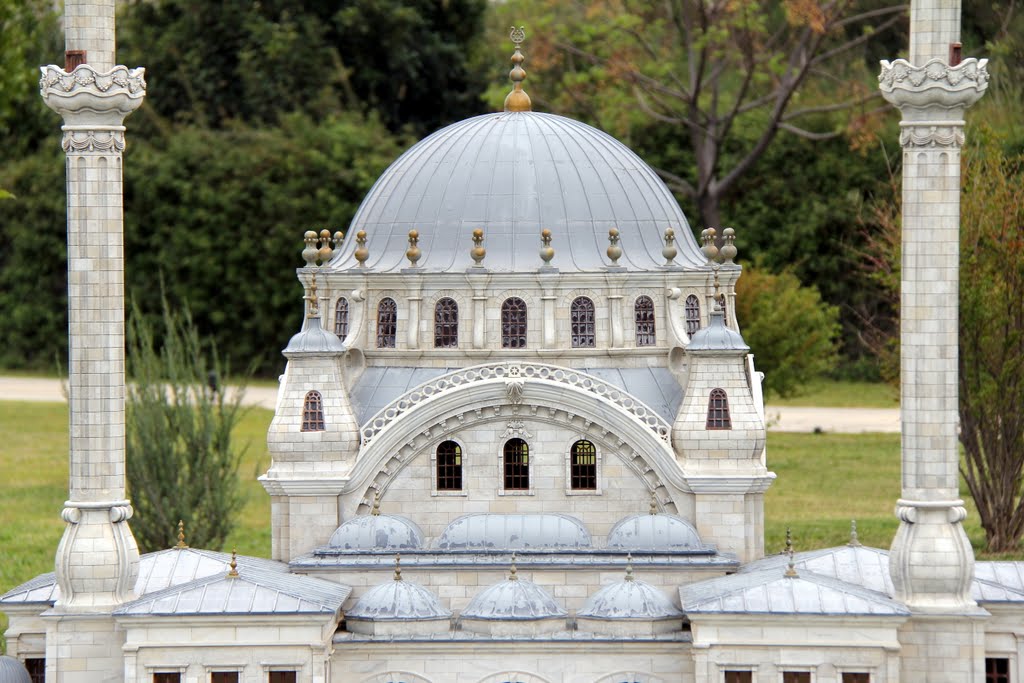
[
  {"x": 398, "y": 600},
  {"x": 314, "y": 339},
  {"x": 654, "y": 532},
  {"x": 629, "y": 599},
  {"x": 377, "y": 532},
  {"x": 489, "y": 531},
  {"x": 513, "y": 599},
  {"x": 717, "y": 337},
  {"x": 13, "y": 671}
]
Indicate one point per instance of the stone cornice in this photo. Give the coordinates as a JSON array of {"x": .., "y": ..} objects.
[
  {"x": 730, "y": 483},
  {"x": 922, "y": 92},
  {"x": 86, "y": 97}
]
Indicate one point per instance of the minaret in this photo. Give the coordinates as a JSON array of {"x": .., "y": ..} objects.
[
  {"x": 932, "y": 563},
  {"x": 97, "y": 559}
]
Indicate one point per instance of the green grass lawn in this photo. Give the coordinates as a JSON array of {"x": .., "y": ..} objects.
[{"x": 834, "y": 394}]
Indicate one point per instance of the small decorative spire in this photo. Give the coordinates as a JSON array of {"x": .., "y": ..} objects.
[
  {"x": 361, "y": 253},
  {"x": 512, "y": 575},
  {"x": 670, "y": 251},
  {"x": 654, "y": 503},
  {"x": 728, "y": 250},
  {"x": 181, "y": 535},
  {"x": 791, "y": 568},
  {"x": 325, "y": 252},
  {"x": 338, "y": 238},
  {"x": 398, "y": 566},
  {"x": 614, "y": 250},
  {"x": 310, "y": 253},
  {"x": 854, "y": 541},
  {"x": 719, "y": 297},
  {"x": 314, "y": 301},
  {"x": 547, "y": 252},
  {"x": 375, "y": 511},
  {"x": 413, "y": 253},
  {"x": 517, "y": 100},
  {"x": 629, "y": 567},
  {"x": 478, "y": 252},
  {"x": 707, "y": 238},
  {"x": 233, "y": 574}
]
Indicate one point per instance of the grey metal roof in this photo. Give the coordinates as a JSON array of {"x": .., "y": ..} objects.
[
  {"x": 314, "y": 339},
  {"x": 493, "y": 531},
  {"x": 860, "y": 565},
  {"x": 377, "y": 387},
  {"x": 462, "y": 635},
  {"x": 717, "y": 337},
  {"x": 398, "y": 600},
  {"x": 513, "y": 599},
  {"x": 377, "y": 532},
  {"x": 511, "y": 174},
  {"x": 13, "y": 671},
  {"x": 332, "y": 560},
  {"x": 629, "y": 599},
  {"x": 769, "y": 591},
  {"x": 253, "y": 591},
  {"x": 654, "y": 532}
]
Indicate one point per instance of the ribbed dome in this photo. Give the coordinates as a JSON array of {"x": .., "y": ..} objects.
[
  {"x": 314, "y": 339},
  {"x": 13, "y": 671},
  {"x": 512, "y": 174},
  {"x": 377, "y": 532},
  {"x": 654, "y": 532},
  {"x": 513, "y": 598},
  {"x": 398, "y": 600},
  {"x": 629, "y": 599},
  {"x": 717, "y": 337}
]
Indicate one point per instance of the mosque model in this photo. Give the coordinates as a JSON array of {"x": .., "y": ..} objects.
[{"x": 519, "y": 437}]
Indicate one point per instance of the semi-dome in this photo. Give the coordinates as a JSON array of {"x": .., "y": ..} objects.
[
  {"x": 491, "y": 531},
  {"x": 513, "y": 174},
  {"x": 398, "y": 607},
  {"x": 377, "y": 532},
  {"x": 654, "y": 532}
]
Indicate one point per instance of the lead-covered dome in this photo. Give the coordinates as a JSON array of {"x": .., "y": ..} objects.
[
  {"x": 658, "y": 532},
  {"x": 512, "y": 174},
  {"x": 377, "y": 532}
]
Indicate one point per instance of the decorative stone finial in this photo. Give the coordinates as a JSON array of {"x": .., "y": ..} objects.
[
  {"x": 375, "y": 511},
  {"x": 325, "y": 251},
  {"x": 728, "y": 250},
  {"x": 338, "y": 238},
  {"x": 854, "y": 541},
  {"x": 547, "y": 252},
  {"x": 413, "y": 253},
  {"x": 361, "y": 253},
  {"x": 790, "y": 568},
  {"x": 707, "y": 238},
  {"x": 398, "y": 566},
  {"x": 517, "y": 100},
  {"x": 629, "y": 566},
  {"x": 478, "y": 252},
  {"x": 614, "y": 250},
  {"x": 181, "y": 535},
  {"x": 512, "y": 575},
  {"x": 233, "y": 574},
  {"x": 314, "y": 300},
  {"x": 310, "y": 252},
  {"x": 669, "y": 251},
  {"x": 654, "y": 503}
]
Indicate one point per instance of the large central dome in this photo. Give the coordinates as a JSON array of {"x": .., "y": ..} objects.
[{"x": 512, "y": 174}]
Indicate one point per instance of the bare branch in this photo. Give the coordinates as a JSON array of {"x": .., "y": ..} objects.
[
  {"x": 807, "y": 134},
  {"x": 838, "y": 106},
  {"x": 677, "y": 182},
  {"x": 859, "y": 40},
  {"x": 871, "y": 14}
]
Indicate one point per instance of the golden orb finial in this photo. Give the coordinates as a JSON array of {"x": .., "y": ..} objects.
[
  {"x": 233, "y": 574},
  {"x": 518, "y": 100},
  {"x": 181, "y": 535}
]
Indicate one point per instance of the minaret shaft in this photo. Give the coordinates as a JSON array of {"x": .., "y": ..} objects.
[
  {"x": 89, "y": 26},
  {"x": 934, "y": 25}
]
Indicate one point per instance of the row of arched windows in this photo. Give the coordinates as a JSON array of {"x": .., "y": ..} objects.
[
  {"x": 516, "y": 466},
  {"x": 582, "y": 322}
]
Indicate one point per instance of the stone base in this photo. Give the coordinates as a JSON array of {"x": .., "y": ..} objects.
[
  {"x": 83, "y": 648},
  {"x": 943, "y": 649}
]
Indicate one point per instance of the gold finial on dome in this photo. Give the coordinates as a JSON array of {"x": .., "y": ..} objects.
[
  {"x": 791, "y": 572},
  {"x": 181, "y": 535},
  {"x": 233, "y": 574},
  {"x": 513, "y": 575},
  {"x": 398, "y": 566},
  {"x": 518, "y": 100},
  {"x": 629, "y": 567}
]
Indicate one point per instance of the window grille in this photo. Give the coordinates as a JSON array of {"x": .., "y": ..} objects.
[
  {"x": 166, "y": 677},
  {"x": 223, "y": 677},
  {"x": 718, "y": 411},
  {"x": 517, "y": 465},
  {"x": 581, "y": 319},
  {"x": 583, "y": 466},
  {"x": 997, "y": 670},
  {"x": 36, "y": 667},
  {"x": 856, "y": 677},
  {"x": 446, "y": 324},
  {"x": 796, "y": 677},
  {"x": 341, "y": 318},
  {"x": 643, "y": 310},
  {"x": 387, "y": 323},
  {"x": 283, "y": 677},
  {"x": 449, "y": 466},
  {"x": 313, "y": 412},
  {"x": 692, "y": 311},
  {"x": 739, "y": 677},
  {"x": 513, "y": 323}
]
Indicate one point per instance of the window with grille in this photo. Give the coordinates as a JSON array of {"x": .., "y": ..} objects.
[
  {"x": 283, "y": 677},
  {"x": 313, "y": 412},
  {"x": 692, "y": 311},
  {"x": 643, "y": 313},
  {"x": 449, "y": 466},
  {"x": 796, "y": 677},
  {"x": 387, "y": 323},
  {"x": 223, "y": 677},
  {"x": 341, "y": 318},
  {"x": 517, "y": 465},
  {"x": 166, "y": 677},
  {"x": 997, "y": 670},
  {"x": 581, "y": 322},
  {"x": 36, "y": 667},
  {"x": 856, "y": 677},
  {"x": 446, "y": 324},
  {"x": 739, "y": 677},
  {"x": 513, "y": 323},
  {"x": 583, "y": 466},
  {"x": 718, "y": 411}
]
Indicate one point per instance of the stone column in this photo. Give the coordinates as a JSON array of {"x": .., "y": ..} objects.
[{"x": 931, "y": 561}]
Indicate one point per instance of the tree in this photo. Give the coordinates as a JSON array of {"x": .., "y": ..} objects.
[
  {"x": 727, "y": 77},
  {"x": 181, "y": 463}
]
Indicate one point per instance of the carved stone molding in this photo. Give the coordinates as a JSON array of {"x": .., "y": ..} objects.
[
  {"x": 85, "y": 77},
  {"x": 937, "y": 134},
  {"x": 935, "y": 86},
  {"x": 87, "y": 97},
  {"x": 93, "y": 140}
]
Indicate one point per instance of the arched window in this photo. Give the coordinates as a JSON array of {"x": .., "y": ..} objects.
[
  {"x": 583, "y": 466},
  {"x": 692, "y": 311},
  {"x": 449, "y": 466},
  {"x": 387, "y": 323},
  {"x": 313, "y": 412},
  {"x": 446, "y": 324},
  {"x": 581, "y": 322},
  {"x": 513, "y": 323},
  {"x": 341, "y": 318},
  {"x": 718, "y": 411},
  {"x": 517, "y": 465},
  {"x": 643, "y": 313}
]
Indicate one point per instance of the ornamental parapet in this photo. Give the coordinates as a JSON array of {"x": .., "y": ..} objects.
[
  {"x": 934, "y": 90},
  {"x": 92, "y": 100}
]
